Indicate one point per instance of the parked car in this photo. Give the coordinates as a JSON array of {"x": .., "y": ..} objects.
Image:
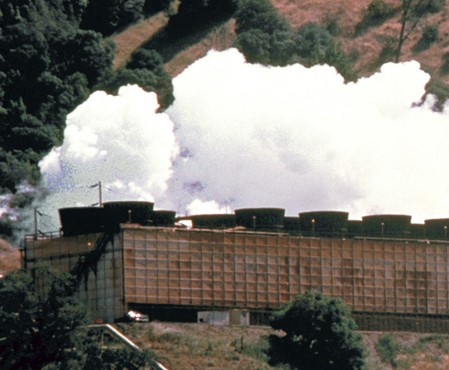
[{"x": 134, "y": 316}]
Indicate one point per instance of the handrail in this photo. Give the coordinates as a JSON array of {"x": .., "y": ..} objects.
[{"x": 125, "y": 340}]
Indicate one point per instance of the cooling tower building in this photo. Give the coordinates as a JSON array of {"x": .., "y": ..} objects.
[{"x": 138, "y": 258}]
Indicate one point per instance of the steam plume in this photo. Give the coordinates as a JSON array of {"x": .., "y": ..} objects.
[
  {"x": 118, "y": 140},
  {"x": 243, "y": 135}
]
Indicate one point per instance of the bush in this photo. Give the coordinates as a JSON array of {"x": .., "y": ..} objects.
[
  {"x": 155, "y": 81},
  {"x": 255, "y": 46},
  {"x": 387, "y": 349},
  {"x": 428, "y": 6},
  {"x": 430, "y": 34},
  {"x": 108, "y": 16},
  {"x": 262, "y": 35},
  {"x": 319, "y": 335},
  {"x": 379, "y": 10},
  {"x": 260, "y": 15},
  {"x": 47, "y": 330},
  {"x": 439, "y": 89},
  {"x": 149, "y": 59},
  {"x": 195, "y": 15},
  {"x": 315, "y": 45}
]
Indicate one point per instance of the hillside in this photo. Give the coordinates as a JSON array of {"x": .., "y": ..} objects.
[
  {"x": 202, "y": 346},
  {"x": 346, "y": 16},
  {"x": 369, "y": 45},
  {"x": 9, "y": 258}
]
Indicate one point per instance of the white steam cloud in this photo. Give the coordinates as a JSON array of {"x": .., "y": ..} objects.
[
  {"x": 242, "y": 135},
  {"x": 118, "y": 140}
]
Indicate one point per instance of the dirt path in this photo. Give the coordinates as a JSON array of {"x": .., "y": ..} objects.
[
  {"x": 220, "y": 38},
  {"x": 135, "y": 36}
]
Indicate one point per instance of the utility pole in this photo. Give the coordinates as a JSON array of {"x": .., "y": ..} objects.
[
  {"x": 100, "y": 202},
  {"x": 35, "y": 223},
  {"x": 100, "y": 199}
]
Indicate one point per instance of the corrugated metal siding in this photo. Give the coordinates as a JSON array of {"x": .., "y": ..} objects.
[
  {"x": 252, "y": 270},
  {"x": 102, "y": 292}
]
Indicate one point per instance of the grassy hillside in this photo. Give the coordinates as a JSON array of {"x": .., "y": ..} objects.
[
  {"x": 346, "y": 17},
  {"x": 369, "y": 44},
  {"x": 202, "y": 346}
]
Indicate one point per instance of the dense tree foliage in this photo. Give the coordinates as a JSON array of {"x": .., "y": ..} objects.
[
  {"x": 36, "y": 332},
  {"x": 106, "y": 16},
  {"x": 145, "y": 68},
  {"x": 319, "y": 335},
  {"x": 412, "y": 12},
  {"x": 47, "y": 331},
  {"x": 264, "y": 37},
  {"x": 195, "y": 14},
  {"x": 49, "y": 65},
  {"x": 109, "y": 16},
  {"x": 316, "y": 45}
]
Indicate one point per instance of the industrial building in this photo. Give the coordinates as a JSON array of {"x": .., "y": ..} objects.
[{"x": 392, "y": 274}]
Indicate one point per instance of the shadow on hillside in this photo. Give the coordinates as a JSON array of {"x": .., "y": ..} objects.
[
  {"x": 169, "y": 42},
  {"x": 372, "y": 21}
]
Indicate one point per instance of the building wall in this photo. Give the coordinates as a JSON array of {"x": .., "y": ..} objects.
[
  {"x": 101, "y": 283},
  {"x": 168, "y": 267},
  {"x": 263, "y": 271}
]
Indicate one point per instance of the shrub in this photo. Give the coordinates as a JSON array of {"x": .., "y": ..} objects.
[
  {"x": 255, "y": 46},
  {"x": 428, "y": 6},
  {"x": 260, "y": 15},
  {"x": 387, "y": 349},
  {"x": 149, "y": 59},
  {"x": 379, "y": 10},
  {"x": 430, "y": 34},
  {"x": 319, "y": 335},
  {"x": 315, "y": 45}
]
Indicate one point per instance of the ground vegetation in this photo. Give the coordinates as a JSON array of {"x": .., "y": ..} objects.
[
  {"x": 319, "y": 334},
  {"x": 47, "y": 329}
]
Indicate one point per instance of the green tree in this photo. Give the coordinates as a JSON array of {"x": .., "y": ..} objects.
[
  {"x": 34, "y": 331},
  {"x": 259, "y": 14},
  {"x": 154, "y": 6},
  {"x": 196, "y": 15},
  {"x": 255, "y": 46},
  {"x": 262, "y": 35},
  {"x": 149, "y": 59},
  {"x": 315, "y": 45},
  {"x": 319, "y": 335},
  {"x": 108, "y": 16},
  {"x": 47, "y": 330},
  {"x": 160, "y": 83},
  {"x": 412, "y": 12},
  {"x": 80, "y": 51}
]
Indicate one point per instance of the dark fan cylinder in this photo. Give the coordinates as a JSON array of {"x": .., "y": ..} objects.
[
  {"x": 268, "y": 219},
  {"x": 396, "y": 226},
  {"x": 163, "y": 218},
  {"x": 127, "y": 212},
  {"x": 437, "y": 228},
  {"x": 213, "y": 221},
  {"x": 324, "y": 223},
  {"x": 81, "y": 220}
]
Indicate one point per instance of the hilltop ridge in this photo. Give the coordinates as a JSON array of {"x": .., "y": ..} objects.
[{"x": 367, "y": 48}]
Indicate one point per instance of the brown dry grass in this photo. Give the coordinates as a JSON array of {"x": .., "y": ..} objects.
[
  {"x": 201, "y": 346},
  {"x": 135, "y": 36},
  {"x": 190, "y": 346},
  {"x": 370, "y": 44},
  {"x": 348, "y": 14},
  {"x": 220, "y": 38},
  {"x": 9, "y": 257}
]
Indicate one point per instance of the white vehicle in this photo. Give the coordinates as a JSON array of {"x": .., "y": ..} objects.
[{"x": 135, "y": 316}]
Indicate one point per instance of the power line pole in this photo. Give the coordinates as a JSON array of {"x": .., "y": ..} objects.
[
  {"x": 100, "y": 203},
  {"x": 35, "y": 222}
]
